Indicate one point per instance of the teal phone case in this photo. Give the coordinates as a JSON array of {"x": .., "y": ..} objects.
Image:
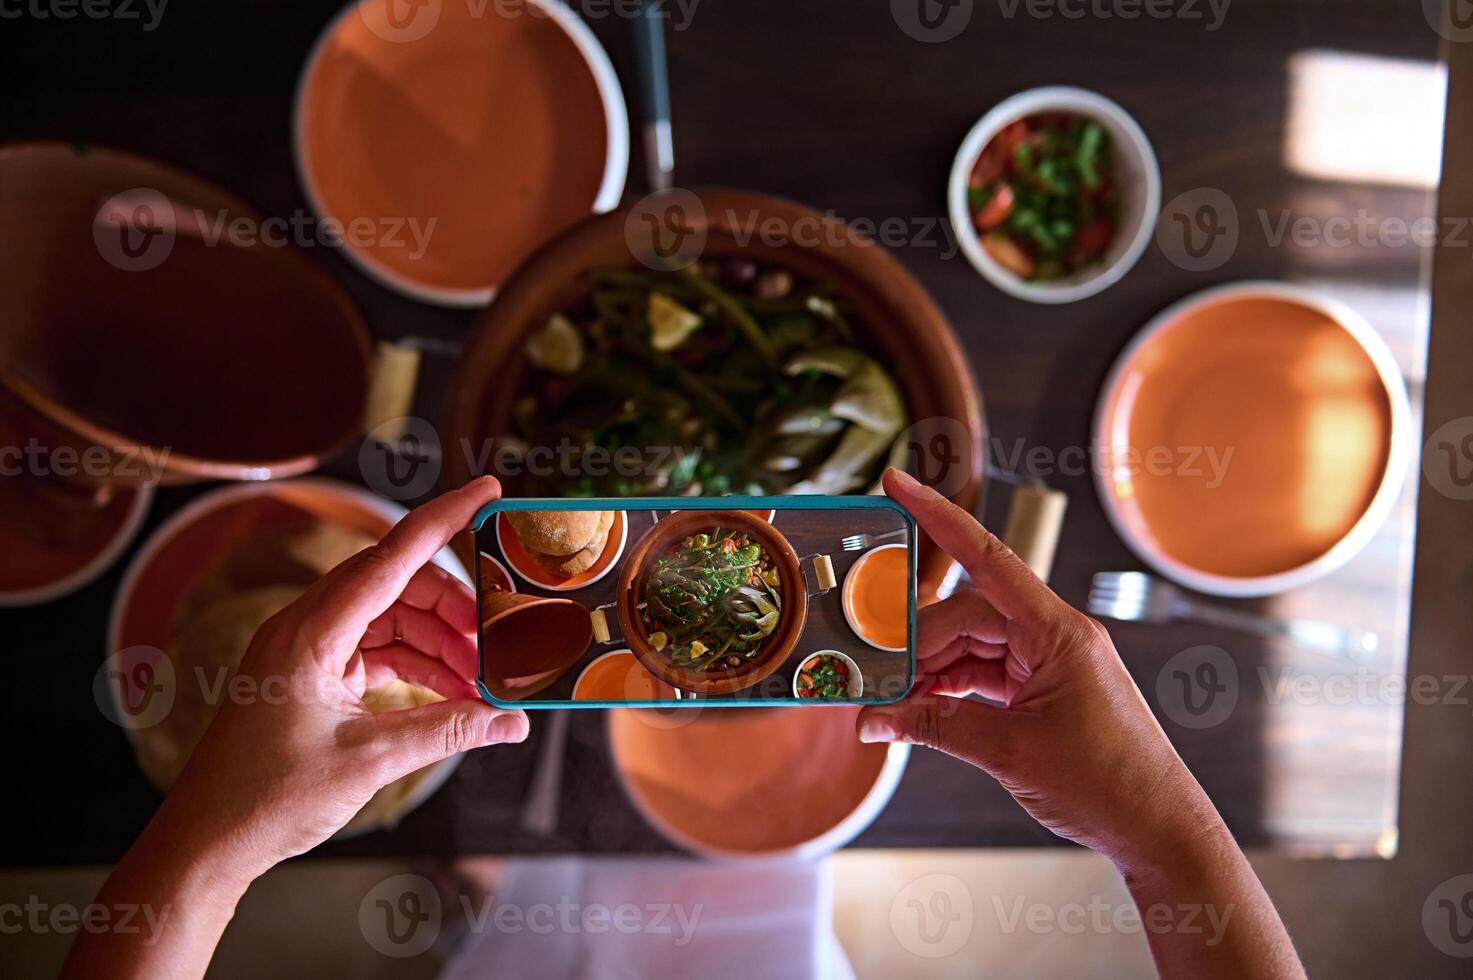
[{"x": 779, "y": 503}]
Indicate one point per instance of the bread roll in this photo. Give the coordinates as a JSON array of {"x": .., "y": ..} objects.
[
  {"x": 205, "y": 652},
  {"x": 566, "y": 566},
  {"x": 555, "y": 532}
]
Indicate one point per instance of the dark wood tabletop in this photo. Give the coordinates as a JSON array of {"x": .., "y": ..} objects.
[{"x": 832, "y": 104}]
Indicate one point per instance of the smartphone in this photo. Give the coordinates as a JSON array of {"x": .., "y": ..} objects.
[{"x": 695, "y": 601}]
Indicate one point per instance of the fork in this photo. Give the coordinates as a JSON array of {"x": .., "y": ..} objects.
[
  {"x": 1138, "y": 597},
  {"x": 540, "y": 809},
  {"x": 863, "y": 542}
]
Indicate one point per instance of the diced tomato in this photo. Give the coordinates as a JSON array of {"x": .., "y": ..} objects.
[
  {"x": 1011, "y": 136},
  {"x": 991, "y": 166},
  {"x": 996, "y": 159},
  {"x": 728, "y": 545},
  {"x": 1093, "y": 239},
  {"x": 1006, "y": 253},
  {"x": 996, "y": 210}
]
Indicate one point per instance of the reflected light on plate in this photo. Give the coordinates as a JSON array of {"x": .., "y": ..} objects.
[
  {"x": 1340, "y": 475},
  {"x": 1363, "y": 118}
]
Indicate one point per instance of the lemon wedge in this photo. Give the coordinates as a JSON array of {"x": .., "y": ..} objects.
[
  {"x": 557, "y": 347},
  {"x": 670, "y": 323}
]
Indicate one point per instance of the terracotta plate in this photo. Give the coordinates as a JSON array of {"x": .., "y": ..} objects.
[
  {"x": 1252, "y": 438},
  {"x": 754, "y": 782},
  {"x": 458, "y": 137}
]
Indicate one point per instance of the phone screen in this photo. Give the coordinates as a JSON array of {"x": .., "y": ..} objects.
[{"x": 689, "y": 601}]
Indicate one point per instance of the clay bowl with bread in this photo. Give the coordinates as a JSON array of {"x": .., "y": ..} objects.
[
  {"x": 199, "y": 588},
  {"x": 894, "y": 322},
  {"x": 562, "y": 550},
  {"x": 659, "y": 542}
]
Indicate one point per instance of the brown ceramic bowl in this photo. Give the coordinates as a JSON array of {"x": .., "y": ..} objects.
[
  {"x": 550, "y": 635},
  {"x": 663, "y": 538},
  {"x": 242, "y": 361},
  {"x": 895, "y": 319}
]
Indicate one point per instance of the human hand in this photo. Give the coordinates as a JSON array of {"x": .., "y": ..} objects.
[
  {"x": 274, "y": 776},
  {"x": 1074, "y": 742}
]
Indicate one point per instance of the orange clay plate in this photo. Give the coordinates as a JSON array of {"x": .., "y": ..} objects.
[
  {"x": 754, "y": 781},
  {"x": 458, "y": 137},
  {"x": 1251, "y": 438},
  {"x": 534, "y": 574},
  {"x": 618, "y": 676},
  {"x": 875, "y": 597}
]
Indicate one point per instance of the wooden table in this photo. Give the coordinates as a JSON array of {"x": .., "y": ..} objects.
[{"x": 829, "y": 103}]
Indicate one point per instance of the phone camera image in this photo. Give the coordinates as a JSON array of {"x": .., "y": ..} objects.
[{"x": 687, "y": 604}]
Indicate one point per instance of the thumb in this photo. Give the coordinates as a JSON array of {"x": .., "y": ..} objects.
[
  {"x": 422, "y": 736},
  {"x": 973, "y": 731}
]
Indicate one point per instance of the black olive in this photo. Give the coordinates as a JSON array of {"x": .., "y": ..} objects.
[{"x": 740, "y": 269}]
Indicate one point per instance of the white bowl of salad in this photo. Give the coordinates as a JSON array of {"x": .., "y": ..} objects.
[
  {"x": 1054, "y": 194},
  {"x": 828, "y": 675}
]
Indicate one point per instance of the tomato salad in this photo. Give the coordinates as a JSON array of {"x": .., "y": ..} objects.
[
  {"x": 1042, "y": 195},
  {"x": 823, "y": 676}
]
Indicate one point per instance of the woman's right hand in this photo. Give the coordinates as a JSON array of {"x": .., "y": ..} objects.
[{"x": 1073, "y": 742}]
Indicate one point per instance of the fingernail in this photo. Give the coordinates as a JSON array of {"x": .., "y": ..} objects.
[
  {"x": 905, "y": 479},
  {"x": 878, "y": 727},
  {"x": 511, "y": 728}
]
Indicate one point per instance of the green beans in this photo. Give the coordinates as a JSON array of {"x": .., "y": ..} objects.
[
  {"x": 744, "y": 321},
  {"x": 692, "y": 367},
  {"x": 712, "y": 600}
]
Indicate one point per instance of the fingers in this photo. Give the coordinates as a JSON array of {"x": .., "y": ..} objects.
[
  {"x": 399, "y": 661},
  {"x": 959, "y": 649},
  {"x": 965, "y": 615},
  {"x": 988, "y": 678},
  {"x": 434, "y": 589},
  {"x": 355, "y": 678},
  {"x": 1000, "y": 576},
  {"x": 419, "y": 737},
  {"x": 979, "y": 733},
  {"x": 341, "y": 605},
  {"x": 425, "y": 632}
]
